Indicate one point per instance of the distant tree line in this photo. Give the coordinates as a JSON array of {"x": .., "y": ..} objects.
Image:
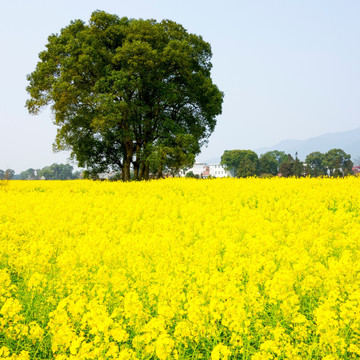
[
  {"x": 333, "y": 163},
  {"x": 240, "y": 163},
  {"x": 52, "y": 172},
  {"x": 8, "y": 174},
  {"x": 244, "y": 163}
]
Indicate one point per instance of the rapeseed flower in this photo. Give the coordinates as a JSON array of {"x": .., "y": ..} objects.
[{"x": 179, "y": 268}]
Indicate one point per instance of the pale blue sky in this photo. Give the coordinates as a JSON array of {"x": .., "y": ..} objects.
[{"x": 289, "y": 69}]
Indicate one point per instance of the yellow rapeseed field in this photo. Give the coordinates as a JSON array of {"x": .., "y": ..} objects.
[{"x": 180, "y": 269}]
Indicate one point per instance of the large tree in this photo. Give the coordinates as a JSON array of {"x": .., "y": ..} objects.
[
  {"x": 121, "y": 89},
  {"x": 241, "y": 163},
  {"x": 271, "y": 161},
  {"x": 315, "y": 164},
  {"x": 338, "y": 163}
]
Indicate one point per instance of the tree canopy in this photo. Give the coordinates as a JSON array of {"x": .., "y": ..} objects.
[
  {"x": 338, "y": 163},
  {"x": 333, "y": 163},
  {"x": 315, "y": 164},
  {"x": 9, "y": 174},
  {"x": 122, "y": 90},
  {"x": 286, "y": 168},
  {"x": 271, "y": 161},
  {"x": 241, "y": 163},
  {"x": 57, "y": 172},
  {"x": 29, "y": 174}
]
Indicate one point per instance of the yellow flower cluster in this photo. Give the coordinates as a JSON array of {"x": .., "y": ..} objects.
[{"x": 180, "y": 269}]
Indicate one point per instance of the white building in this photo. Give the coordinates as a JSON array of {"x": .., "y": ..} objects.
[
  {"x": 204, "y": 170},
  {"x": 216, "y": 170},
  {"x": 197, "y": 169}
]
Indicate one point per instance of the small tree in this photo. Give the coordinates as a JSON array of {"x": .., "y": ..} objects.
[
  {"x": 315, "y": 163},
  {"x": 240, "y": 163},
  {"x": 286, "y": 167},
  {"x": 268, "y": 160},
  {"x": 338, "y": 163},
  {"x": 9, "y": 174},
  {"x": 29, "y": 174},
  {"x": 268, "y": 163},
  {"x": 298, "y": 167}
]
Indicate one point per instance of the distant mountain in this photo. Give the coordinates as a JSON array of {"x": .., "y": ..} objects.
[{"x": 349, "y": 141}]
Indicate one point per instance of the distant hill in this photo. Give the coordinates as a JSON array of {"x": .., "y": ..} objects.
[{"x": 349, "y": 141}]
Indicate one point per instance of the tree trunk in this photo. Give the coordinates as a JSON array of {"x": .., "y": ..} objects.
[
  {"x": 147, "y": 171},
  {"x": 160, "y": 172},
  {"x": 136, "y": 170},
  {"x": 127, "y": 161},
  {"x": 126, "y": 171},
  {"x": 136, "y": 163},
  {"x": 142, "y": 171}
]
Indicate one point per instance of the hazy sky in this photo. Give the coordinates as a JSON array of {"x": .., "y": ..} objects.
[{"x": 289, "y": 69}]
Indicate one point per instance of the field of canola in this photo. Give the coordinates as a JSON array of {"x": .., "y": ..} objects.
[{"x": 180, "y": 269}]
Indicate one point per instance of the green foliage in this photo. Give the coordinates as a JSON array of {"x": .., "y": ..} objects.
[
  {"x": 247, "y": 167},
  {"x": 30, "y": 174},
  {"x": 280, "y": 155},
  {"x": 241, "y": 163},
  {"x": 298, "y": 167},
  {"x": 334, "y": 163},
  {"x": 338, "y": 163},
  {"x": 57, "y": 172},
  {"x": 270, "y": 162},
  {"x": 292, "y": 167},
  {"x": 315, "y": 163},
  {"x": 123, "y": 88},
  {"x": 9, "y": 174},
  {"x": 286, "y": 167},
  {"x": 190, "y": 174},
  {"x": 178, "y": 152},
  {"x": 266, "y": 176}
]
